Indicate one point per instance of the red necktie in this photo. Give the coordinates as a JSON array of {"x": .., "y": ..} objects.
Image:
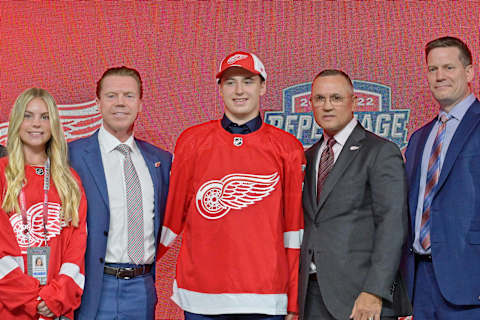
[{"x": 325, "y": 165}]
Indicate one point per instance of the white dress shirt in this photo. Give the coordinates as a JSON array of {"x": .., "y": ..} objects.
[{"x": 117, "y": 243}]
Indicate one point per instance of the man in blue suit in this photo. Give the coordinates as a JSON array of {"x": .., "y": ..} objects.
[
  {"x": 126, "y": 184},
  {"x": 443, "y": 169}
]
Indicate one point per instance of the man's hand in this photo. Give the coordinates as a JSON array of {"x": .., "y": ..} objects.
[
  {"x": 290, "y": 316},
  {"x": 44, "y": 311},
  {"x": 367, "y": 307}
]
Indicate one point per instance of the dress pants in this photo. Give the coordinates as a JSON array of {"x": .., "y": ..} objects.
[
  {"x": 315, "y": 308},
  {"x": 127, "y": 299},
  {"x": 428, "y": 302}
]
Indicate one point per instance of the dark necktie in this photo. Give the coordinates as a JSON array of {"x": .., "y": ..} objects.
[{"x": 325, "y": 165}]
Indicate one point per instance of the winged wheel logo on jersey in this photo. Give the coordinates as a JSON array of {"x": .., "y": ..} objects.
[
  {"x": 35, "y": 237},
  {"x": 216, "y": 198}
]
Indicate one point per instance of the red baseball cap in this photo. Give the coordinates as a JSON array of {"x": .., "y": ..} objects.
[{"x": 244, "y": 60}]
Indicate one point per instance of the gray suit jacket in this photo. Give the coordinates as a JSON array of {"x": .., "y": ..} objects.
[{"x": 357, "y": 229}]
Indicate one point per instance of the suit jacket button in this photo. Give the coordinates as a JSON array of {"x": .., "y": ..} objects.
[
  {"x": 105, "y": 233},
  {"x": 101, "y": 260}
]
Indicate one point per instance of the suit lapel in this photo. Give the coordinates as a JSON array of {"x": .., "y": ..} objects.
[
  {"x": 150, "y": 161},
  {"x": 349, "y": 151},
  {"x": 93, "y": 159},
  {"x": 469, "y": 121},
  {"x": 310, "y": 179}
]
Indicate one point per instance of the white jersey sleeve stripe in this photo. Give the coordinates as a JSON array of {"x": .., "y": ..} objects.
[
  {"x": 73, "y": 271},
  {"x": 167, "y": 237},
  {"x": 293, "y": 239},
  {"x": 8, "y": 264},
  {"x": 20, "y": 262}
]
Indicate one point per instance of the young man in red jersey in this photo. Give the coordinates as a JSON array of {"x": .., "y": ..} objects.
[{"x": 235, "y": 193}]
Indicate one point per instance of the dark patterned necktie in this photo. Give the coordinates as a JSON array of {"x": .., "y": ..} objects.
[{"x": 325, "y": 165}]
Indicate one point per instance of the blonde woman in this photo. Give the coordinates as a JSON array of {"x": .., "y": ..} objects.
[{"x": 42, "y": 216}]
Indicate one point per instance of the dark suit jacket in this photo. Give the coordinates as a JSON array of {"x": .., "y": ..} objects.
[
  {"x": 86, "y": 159},
  {"x": 357, "y": 229},
  {"x": 454, "y": 214}
]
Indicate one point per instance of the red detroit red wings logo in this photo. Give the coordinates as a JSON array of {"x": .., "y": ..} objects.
[
  {"x": 216, "y": 198},
  {"x": 35, "y": 237},
  {"x": 236, "y": 57}
]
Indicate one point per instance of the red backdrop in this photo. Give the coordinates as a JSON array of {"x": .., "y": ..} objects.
[{"x": 64, "y": 47}]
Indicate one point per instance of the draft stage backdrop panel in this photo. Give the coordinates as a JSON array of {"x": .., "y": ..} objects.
[{"x": 64, "y": 47}]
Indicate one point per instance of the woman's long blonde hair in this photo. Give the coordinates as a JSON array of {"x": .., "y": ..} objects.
[{"x": 56, "y": 149}]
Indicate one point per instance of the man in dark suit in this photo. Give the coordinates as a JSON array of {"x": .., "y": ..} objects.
[
  {"x": 126, "y": 184},
  {"x": 354, "y": 200},
  {"x": 443, "y": 170}
]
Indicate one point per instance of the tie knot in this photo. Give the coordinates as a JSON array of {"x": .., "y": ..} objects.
[
  {"x": 444, "y": 118},
  {"x": 331, "y": 142},
  {"x": 124, "y": 149}
]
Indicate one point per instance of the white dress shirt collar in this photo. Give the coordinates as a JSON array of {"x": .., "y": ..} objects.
[
  {"x": 109, "y": 142},
  {"x": 342, "y": 136}
]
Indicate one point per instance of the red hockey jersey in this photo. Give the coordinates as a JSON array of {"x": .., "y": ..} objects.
[
  {"x": 237, "y": 199},
  {"x": 19, "y": 292}
]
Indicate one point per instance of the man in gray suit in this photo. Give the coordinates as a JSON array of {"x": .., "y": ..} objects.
[{"x": 355, "y": 208}]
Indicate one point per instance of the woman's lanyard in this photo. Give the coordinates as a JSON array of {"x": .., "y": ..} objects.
[{"x": 23, "y": 204}]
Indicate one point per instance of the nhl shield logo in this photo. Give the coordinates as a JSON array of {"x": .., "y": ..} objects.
[{"x": 237, "y": 141}]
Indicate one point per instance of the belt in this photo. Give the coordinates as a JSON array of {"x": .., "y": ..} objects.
[
  {"x": 127, "y": 273},
  {"x": 423, "y": 257}
]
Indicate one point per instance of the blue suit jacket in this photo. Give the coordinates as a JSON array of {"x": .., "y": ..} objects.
[
  {"x": 86, "y": 159},
  {"x": 455, "y": 211}
]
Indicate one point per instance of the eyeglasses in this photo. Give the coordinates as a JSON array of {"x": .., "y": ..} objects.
[{"x": 335, "y": 99}]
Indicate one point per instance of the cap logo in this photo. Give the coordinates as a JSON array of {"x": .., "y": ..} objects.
[{"x": 236, "y": 57}]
